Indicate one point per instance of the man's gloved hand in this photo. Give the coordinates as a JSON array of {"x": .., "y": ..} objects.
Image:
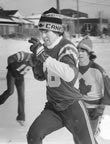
[
  {"x": 41, "y": 54},
  {"x": 95, "y": 113},
  {"x": 35, "y": 44},
  {"x": 38, "y": 49}
]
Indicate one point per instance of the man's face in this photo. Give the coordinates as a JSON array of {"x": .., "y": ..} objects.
[{"x": 49, "y": 37}]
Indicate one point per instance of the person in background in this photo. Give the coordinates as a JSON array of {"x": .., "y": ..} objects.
[
  {"x": 97, "y": 119},
  {"x": 64, "y": 106},
  {"x": 69, "y": 30},
  {"x": 18, "y": 65},
  {"x": 106, "y": 99},
  {"x": 91, "y": 82}
]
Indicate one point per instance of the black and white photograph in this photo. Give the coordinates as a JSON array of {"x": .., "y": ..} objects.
[{"x": 54, "y": 72}]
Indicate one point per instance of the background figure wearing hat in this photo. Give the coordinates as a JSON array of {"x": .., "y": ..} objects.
[
  {"x": 64, "y": 106},
  {"x": 91, "y": 83}
]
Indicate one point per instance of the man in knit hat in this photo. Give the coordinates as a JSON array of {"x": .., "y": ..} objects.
[
  {"x": 64, "y": 107},
  {"x": 91, "y": 82}
]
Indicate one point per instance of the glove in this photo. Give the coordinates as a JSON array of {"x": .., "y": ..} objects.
[
  {"x": 38, "y": 71},
  {"x": 35, "y": 44},
  {"x": 95, "y": 113},
  {"x": 41, "y": 54},
  {"x": 37, "y": 68},
  {"x": 38, "y": 49}
]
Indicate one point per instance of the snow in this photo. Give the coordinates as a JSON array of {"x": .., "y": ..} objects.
[{"x": 10, "y": 131}]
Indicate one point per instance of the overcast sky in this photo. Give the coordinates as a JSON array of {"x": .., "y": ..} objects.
[{"x": 27, "y": 7}]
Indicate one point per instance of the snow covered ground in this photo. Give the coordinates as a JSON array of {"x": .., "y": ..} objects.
[{"x": 10, "y": 131}]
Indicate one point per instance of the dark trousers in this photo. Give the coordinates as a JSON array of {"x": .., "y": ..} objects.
[
  {"x": 19, "y": 83},
  {"x": 74, "y": 118}
]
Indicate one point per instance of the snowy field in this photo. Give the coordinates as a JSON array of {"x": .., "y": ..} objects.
[{"x": 10, "y": 131}]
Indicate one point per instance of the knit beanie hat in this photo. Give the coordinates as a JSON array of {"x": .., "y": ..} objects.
[
  {"x": 51, "y": 20},
  {"x": 86, "y": 44}
]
